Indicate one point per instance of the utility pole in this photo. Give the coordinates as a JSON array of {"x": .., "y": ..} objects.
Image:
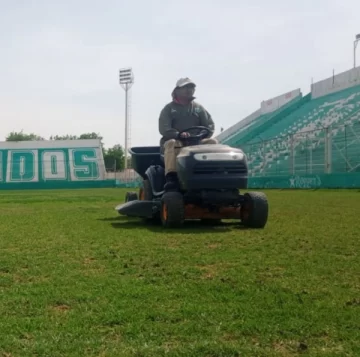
[
  {"x": 357, "y": 39},
  {"x": 126, "y": 79}
]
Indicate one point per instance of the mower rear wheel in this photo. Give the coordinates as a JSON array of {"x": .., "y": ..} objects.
[
  {"x": 255, "y": 210},
  {"x": 172, "y": 212},
  {"x": 131, "y": 196}
]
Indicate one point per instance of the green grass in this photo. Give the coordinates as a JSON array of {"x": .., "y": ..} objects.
[{"x": 76, "y": 279}]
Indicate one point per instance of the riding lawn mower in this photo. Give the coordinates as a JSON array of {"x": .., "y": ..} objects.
[{"x": 210, "y": 178}]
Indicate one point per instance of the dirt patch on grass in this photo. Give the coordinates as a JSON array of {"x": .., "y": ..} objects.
[
  {"x": 285, "y": 349},
  {"x": 91, "y": 266},
  {"x": 60, "y": 308},
  {"x": 212, "y": 271},
  {"x": 5, "y": 354},
  {"x": 88, "y": 261},
  {"x": 209, "y": 271},
  {"x": 214, "y": 245}
]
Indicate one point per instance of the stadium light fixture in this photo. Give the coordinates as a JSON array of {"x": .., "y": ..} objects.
[
  {"x": 126, "y": 80},
  {"x": 357, "y": 39}
]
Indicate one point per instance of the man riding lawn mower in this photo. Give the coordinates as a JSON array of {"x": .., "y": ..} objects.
[{"x": 190, "y": 175}]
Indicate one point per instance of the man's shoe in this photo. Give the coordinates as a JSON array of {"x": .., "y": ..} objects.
[{"x": 172, "y": 182}]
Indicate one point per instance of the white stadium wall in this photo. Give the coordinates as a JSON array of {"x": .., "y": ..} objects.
[
  {"x": 336, "y": 83},
  {"x": 53, "y": 162},
  {"x": 228, "y": 133},
  {"x": 266, "y": 107},
  {"x": 273, "y": 104}
]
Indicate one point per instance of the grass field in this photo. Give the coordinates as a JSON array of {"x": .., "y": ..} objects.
[{"x": 77, "y": 280}]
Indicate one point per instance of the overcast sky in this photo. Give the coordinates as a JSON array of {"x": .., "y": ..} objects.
[{"x": 59, "y": 60}]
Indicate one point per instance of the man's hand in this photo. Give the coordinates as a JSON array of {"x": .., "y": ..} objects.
[{"x": 184, "y": 135}]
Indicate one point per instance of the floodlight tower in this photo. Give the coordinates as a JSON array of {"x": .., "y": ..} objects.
[
  {"x": 126, "y": 78},
  {"x": 357, "y": 39}
]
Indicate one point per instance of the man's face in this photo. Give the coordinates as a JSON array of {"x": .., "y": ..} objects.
[{"x": 186, "y": 91}]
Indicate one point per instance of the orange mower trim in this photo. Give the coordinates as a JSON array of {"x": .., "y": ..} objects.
[
  {"x": 141, "y": 194},
  {"x": 196, "y": 212},
  {"x": 164, "y": 211}
]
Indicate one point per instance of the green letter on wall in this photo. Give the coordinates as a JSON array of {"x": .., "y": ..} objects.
[
  {"x": 85, "y": 164},
  {"x": 22, "y": 166}
]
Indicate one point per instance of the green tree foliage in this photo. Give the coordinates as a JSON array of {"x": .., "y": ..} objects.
[
  {"x": 92, "y": 135},
  {"x": 64, "y": 137},
  {"x": 21, "y": 136},
  {"x": 114, "y": 157}
]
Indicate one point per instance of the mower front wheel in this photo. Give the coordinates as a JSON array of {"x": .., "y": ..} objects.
[
  {"x": 172, "y": 212},
  {"x": 255, "y": 210}
]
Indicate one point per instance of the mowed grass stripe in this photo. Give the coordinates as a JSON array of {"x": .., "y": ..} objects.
[{"x": 76, "y": 279}]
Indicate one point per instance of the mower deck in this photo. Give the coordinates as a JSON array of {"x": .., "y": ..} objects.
[
  {"x": 138, "y": 208},
  {"x": 147, "y": 209}
]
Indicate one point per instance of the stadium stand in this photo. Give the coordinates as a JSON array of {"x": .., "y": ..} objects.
[{"x": 312, "y": 134}]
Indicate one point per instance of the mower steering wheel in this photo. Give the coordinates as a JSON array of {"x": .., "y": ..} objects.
[{"x": 205, "y": 131}]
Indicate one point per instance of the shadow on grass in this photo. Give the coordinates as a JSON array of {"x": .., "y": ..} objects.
[{"x": 123, "y": 222}]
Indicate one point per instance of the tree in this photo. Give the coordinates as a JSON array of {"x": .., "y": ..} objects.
[
  {"x": 114, "y": 156},
  {"x": 21, "y": 136},
  {"x": 83, "y": 136},
  {"x": 64, "y": 137},
  {"x": 91, "y": 136}
]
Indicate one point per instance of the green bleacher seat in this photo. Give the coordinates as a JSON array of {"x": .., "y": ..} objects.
[{"x": 301, "y": 127}]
